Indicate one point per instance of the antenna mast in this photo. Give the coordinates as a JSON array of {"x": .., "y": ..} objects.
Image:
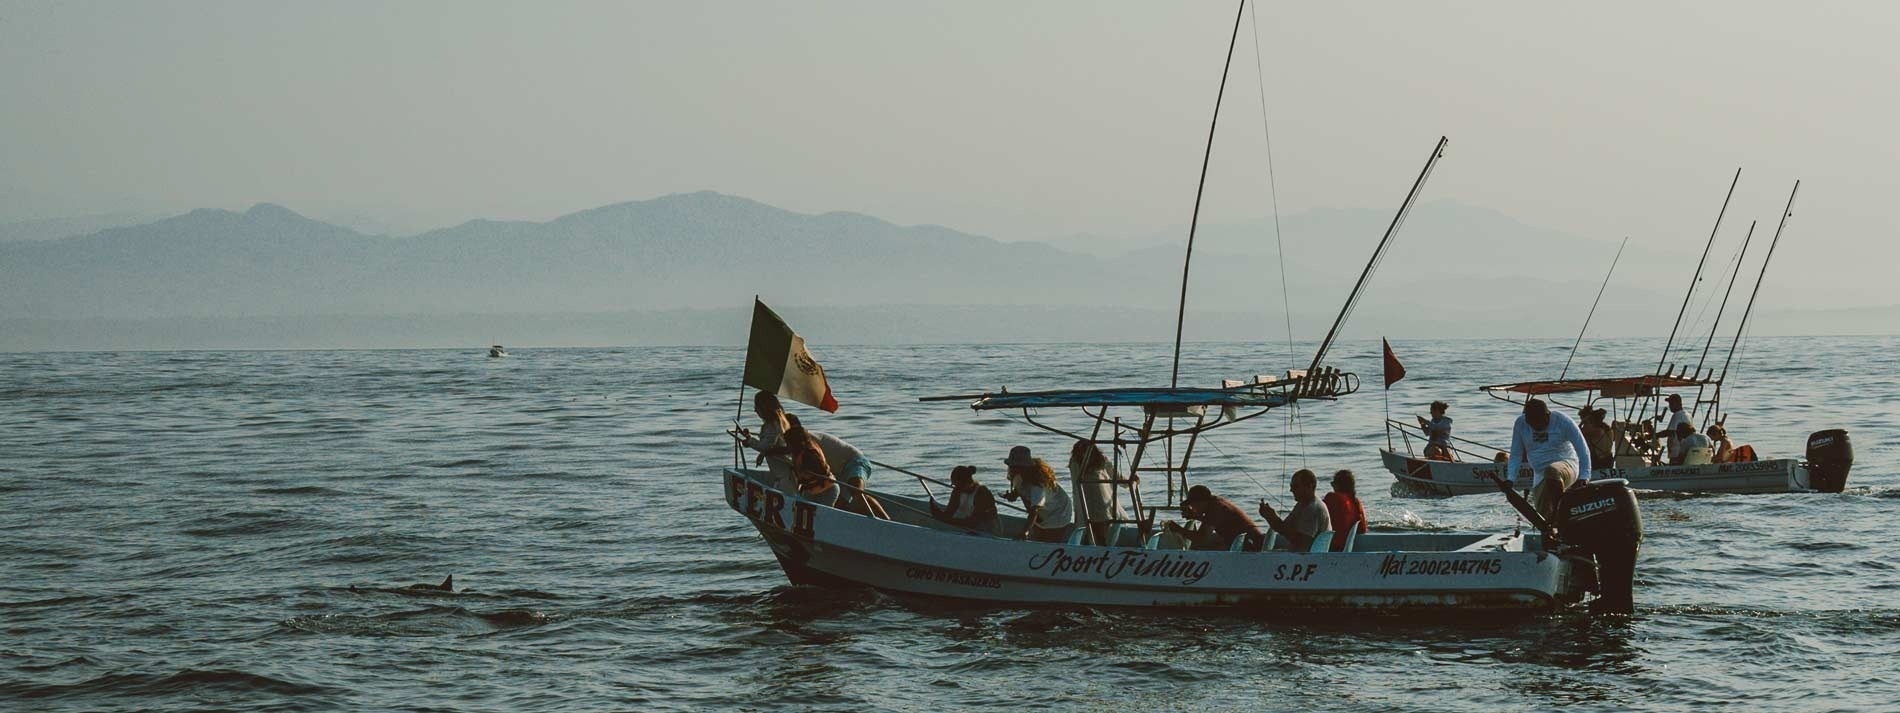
[
  {"x": 1785, "y": 212},
  {"x": 1593, "y": 309},
  {"x": 1180, "y": 314},
  {"x": 1378, "y": 255}
]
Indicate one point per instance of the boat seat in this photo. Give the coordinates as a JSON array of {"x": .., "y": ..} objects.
[
  {"x": 1115, "y": 535},
  {"x": 1352, "y": 535},
  {"x": 1272, "y": 538},
  {"x": 1076, "y": 535},
  {"x": 1240, "y": 544},
  {"x": 1154, "y": 541},
  {"x": 1321, "y": 542}
]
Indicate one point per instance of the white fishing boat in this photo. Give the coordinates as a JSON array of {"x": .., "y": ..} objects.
[
  {"x": 914, "y": 552},
  {"x": 1829, "y": 454},
  {"x": 497, "y": 352},
  {"x": 1636, "y": 454}
]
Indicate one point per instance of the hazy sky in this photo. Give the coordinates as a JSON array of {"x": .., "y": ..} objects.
[{"x": 1012, "y": 119}]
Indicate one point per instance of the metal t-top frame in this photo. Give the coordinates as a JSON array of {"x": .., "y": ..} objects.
[{"x": 1166, "y": 415}]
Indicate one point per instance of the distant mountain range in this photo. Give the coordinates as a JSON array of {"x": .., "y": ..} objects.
[{"x": 1456, "y": 271}]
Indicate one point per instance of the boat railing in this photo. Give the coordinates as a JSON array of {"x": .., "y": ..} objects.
[
  {"x": 1405, "y": 435},
  {"x": 738, "y": 463}
]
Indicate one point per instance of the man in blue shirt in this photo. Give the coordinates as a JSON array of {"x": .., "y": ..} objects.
[{"x": 1552, "y": 447}]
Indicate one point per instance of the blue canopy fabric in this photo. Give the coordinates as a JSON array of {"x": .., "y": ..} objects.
[{"x": 1153, "y": 397}]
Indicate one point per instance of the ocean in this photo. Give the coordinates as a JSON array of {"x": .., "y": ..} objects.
[{"x": 232, "y": 530}]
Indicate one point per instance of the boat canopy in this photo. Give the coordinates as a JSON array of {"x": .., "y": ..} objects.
[
  {"x": 1618, "y": 387},
  {"x": 1157, "y": 397}
]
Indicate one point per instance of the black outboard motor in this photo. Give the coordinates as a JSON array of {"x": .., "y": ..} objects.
[
  {"x": 1601, "y": 519},
  {"x": 1830, "y": 456}
]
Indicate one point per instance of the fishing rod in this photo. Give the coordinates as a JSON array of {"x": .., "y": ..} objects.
[
  {"x": 1786, "y": 211},
  {"x": 1650, "y": 402},
  {"x": 1180, "y": 315},
  {"x": 1593, "y": 309},
  {"x": 1715, "y": 405},
  {"x": 1378, "y": 255}
]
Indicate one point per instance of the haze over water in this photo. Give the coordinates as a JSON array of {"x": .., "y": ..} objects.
[{"x": 182, "y": 528}]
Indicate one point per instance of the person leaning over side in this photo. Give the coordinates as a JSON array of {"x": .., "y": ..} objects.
[
  {"x": 1050, "y": 515},
  {"x": 1306, "y": 520},
  {"x": 1551, "y": 446},
  {"x": 815, "y": 482},
  {"x": 1221, "y": 520},
  {"x": 1343, "y": 509},
  {"x": 971, "y": 506}
]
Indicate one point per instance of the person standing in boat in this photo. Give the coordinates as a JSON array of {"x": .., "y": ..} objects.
[
  {"x": 1221, "y": 520},
  {"x": 773, "y": 424},
  {"x": 1677, "y": 419},
  {"x": 1343, "y": 509},
  {"x": 1438, "y": 430},
  {"x": 1093, "y": 480},
  {"x": 1552, "y": 447},
  {"x": 1307, "y": 519},
  {"x": 1050, "y": 514},
  {"x": 971, "y": 506}
]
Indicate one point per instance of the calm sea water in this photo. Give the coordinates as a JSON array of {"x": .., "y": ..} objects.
[{"x": 181, "y": 531}]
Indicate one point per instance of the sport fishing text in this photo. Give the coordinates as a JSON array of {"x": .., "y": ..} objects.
[{"x": 1110, "y": 565}]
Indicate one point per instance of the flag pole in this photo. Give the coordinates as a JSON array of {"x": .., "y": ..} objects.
[{"x": 739, "y": 412}]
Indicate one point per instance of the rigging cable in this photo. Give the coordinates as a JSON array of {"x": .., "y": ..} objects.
[{"x": 1292, "y": 422}]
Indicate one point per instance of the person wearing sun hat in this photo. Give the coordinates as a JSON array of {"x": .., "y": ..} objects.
[{"x": 1050, "y": 514}]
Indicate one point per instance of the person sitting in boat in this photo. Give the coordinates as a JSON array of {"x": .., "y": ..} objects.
[
  {"x": 1691, "y": 448},
  {"x": 1093, "y": 479},
  {"x": 848, "y": 464},
  {"x": 1343, "y": 510},
  {"x": 971, "y": 506},
  {"x": 773, "y": 424},
  {"x": 1050, "y": 514},
  {"x": 1552, "y": 448},
  {"x": 1221, "y": 521},
  {"x": 1307, "y": 519},
  {"x": 1725, "y": 450},
  {"x": 1438, "y": 429},
  {"x": 1598, "y": 434},
  {"x": 815, "y": 482}
]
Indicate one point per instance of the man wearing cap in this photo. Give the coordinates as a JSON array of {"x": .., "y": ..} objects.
[
  {"x": 1552, "y": 447},
  {"x": 1677, "y": 418},
  {"x": 1221, "y": 520},
  {"x": 1050, "y": 515}
]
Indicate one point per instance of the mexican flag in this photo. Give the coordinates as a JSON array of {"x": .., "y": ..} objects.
[{"x": 776, "y": 361}]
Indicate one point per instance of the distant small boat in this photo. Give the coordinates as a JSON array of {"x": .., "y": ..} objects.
[{"x": 497, "y": 352}]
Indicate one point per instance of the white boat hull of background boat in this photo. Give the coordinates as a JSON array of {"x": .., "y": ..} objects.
[
  {"x": 1780, "y": 475},
  {"x": 913, "y": 554}
]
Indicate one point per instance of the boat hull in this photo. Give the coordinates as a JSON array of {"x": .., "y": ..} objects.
[
  {"x": 823, "y": 546},
  {"x": 1781, "y": 475}
]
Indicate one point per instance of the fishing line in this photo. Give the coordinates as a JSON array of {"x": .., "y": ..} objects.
[
  {"x": 1292, "y": 420},
  {"x": 1265, "y": 494}
]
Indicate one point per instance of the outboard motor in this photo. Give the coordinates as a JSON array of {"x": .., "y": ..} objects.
[
  {"x": 1601, "y": 519},
  {"x": 1830, "y": 456}
]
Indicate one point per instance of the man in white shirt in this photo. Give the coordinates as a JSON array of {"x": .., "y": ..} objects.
[
  {"x": 1552, "y": 447},
  {"x": 1677, "y": 419}
]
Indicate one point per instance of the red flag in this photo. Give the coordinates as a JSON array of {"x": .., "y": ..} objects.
[{"x": 1393, "y": 369}]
